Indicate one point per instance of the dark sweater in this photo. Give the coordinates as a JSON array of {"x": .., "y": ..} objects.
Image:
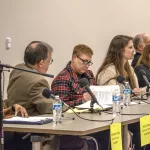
[
  {"x": 135, "y": 59},
  {"x": 141, "y": 81}
]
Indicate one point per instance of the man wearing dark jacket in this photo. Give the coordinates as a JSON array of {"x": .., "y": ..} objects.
[{"x": 139, "y": 42}]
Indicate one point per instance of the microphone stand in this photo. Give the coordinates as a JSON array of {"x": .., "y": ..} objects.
[
  {"x": 1, "y": 113},
  {"x": 1, "y": 100},
  {"x": 147, "y": 91},
  {"x": 92, "y": 106},
  {"x": 31, "y": 71}
]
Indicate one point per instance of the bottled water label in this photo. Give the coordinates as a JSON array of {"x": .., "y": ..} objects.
[
  {"x": 127, "y": 91},
  {"x": 126, "y": 97},
  {"x": 55, "y": 106},
  {"x": 116, "y": 102},
  {"x": 116, "y": 98},
  {"x": 57, "y": 109}
]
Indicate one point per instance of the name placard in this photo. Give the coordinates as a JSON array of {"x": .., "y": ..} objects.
[
  {"x": 115, "y": 135},
  {"x": 145, "y": 130}
]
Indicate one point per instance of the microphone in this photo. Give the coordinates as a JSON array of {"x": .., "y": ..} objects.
[
  {"x": 49, "y": 94},
  {"x": 31, "y": 71},
  {"x": 142, "y": 73},
  {"x": 84, "y": 83},
  {"x": 121, "y": 79}
]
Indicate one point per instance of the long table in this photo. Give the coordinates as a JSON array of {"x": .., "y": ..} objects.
[{"x": 83, "y": 127}]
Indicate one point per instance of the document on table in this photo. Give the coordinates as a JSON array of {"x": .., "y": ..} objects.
[
  {"x": 104, "y": 94},
  {"x": 29, "y": 120},
  {"x": 96, "y": 106}
]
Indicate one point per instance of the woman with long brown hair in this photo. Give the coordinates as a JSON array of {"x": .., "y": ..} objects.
[
  {"x": 143, "y": 64},
  {"x": 116, "y": 63}
]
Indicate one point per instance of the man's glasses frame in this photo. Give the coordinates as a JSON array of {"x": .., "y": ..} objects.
[
  {"x": 85, "y": 62},
  {"x": 49, "y": 61}
]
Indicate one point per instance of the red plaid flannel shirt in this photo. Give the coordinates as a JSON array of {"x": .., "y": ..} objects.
[{"x": 66, "y": 85}]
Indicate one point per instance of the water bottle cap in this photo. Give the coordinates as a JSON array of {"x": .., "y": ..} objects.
[
  {"x": 57, "y": 97},
  {"x": 126, "y": 82}
]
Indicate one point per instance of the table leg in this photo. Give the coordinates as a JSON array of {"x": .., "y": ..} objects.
[
  {"x": 125, "y": 137},
  {"x": 36, "y": 142}
]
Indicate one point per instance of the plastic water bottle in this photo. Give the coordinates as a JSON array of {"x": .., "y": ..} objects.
[
  {"x": 57, "y": 110},
  {"x": 116, "y": 102},
  {"x": 126, "y": 94}
]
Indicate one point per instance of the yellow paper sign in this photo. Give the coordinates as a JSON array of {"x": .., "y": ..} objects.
[
  {"x": 145, "y": 130},
  {"x": 116, "y": 138}
]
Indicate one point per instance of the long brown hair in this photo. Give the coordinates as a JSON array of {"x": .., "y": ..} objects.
[
  {"x": 114, "y": 56},
  {"x": 144, "y": 58}
]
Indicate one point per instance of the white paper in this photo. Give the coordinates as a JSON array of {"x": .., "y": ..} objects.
[
  {"x": 87, "y": 106},
  {"x": 29, "y": 119},
  {"x": 104, "y": 93}
]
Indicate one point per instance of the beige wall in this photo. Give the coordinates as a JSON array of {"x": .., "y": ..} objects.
[{"x": 65, "y": 23}]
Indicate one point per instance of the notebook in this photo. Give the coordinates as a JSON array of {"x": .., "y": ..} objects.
[{"x": 30, "y": 120}]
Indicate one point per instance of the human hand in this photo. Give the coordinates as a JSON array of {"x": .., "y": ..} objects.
[
  {"x": 137, "y": 91},
  {"x": 86, "y": 97},
  {"x": 22, "y": 110}
]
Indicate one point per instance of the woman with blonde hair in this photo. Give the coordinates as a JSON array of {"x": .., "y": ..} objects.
[{"x": 143, "y": 64}]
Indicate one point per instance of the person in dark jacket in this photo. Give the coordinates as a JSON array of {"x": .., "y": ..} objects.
[
  {"x": 139, "y": 43},
  {"x": 143, "y": 64}
]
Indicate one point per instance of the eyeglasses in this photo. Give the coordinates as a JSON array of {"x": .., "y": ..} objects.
[
  {"x": 49, "y": 61},
  {"x": 85, "y": 62}
]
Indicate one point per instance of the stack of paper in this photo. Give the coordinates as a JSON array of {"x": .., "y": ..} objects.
[{"x": 103, "y": 94}]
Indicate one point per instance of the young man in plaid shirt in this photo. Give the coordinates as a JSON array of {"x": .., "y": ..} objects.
[
  {"x": 66, "y": 82},
  {"x": 66, "y": 85}
]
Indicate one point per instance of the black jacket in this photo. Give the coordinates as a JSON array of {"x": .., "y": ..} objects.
[
  {"x": 141, "y": 81},
  {"x": 135, "y": 59}
]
